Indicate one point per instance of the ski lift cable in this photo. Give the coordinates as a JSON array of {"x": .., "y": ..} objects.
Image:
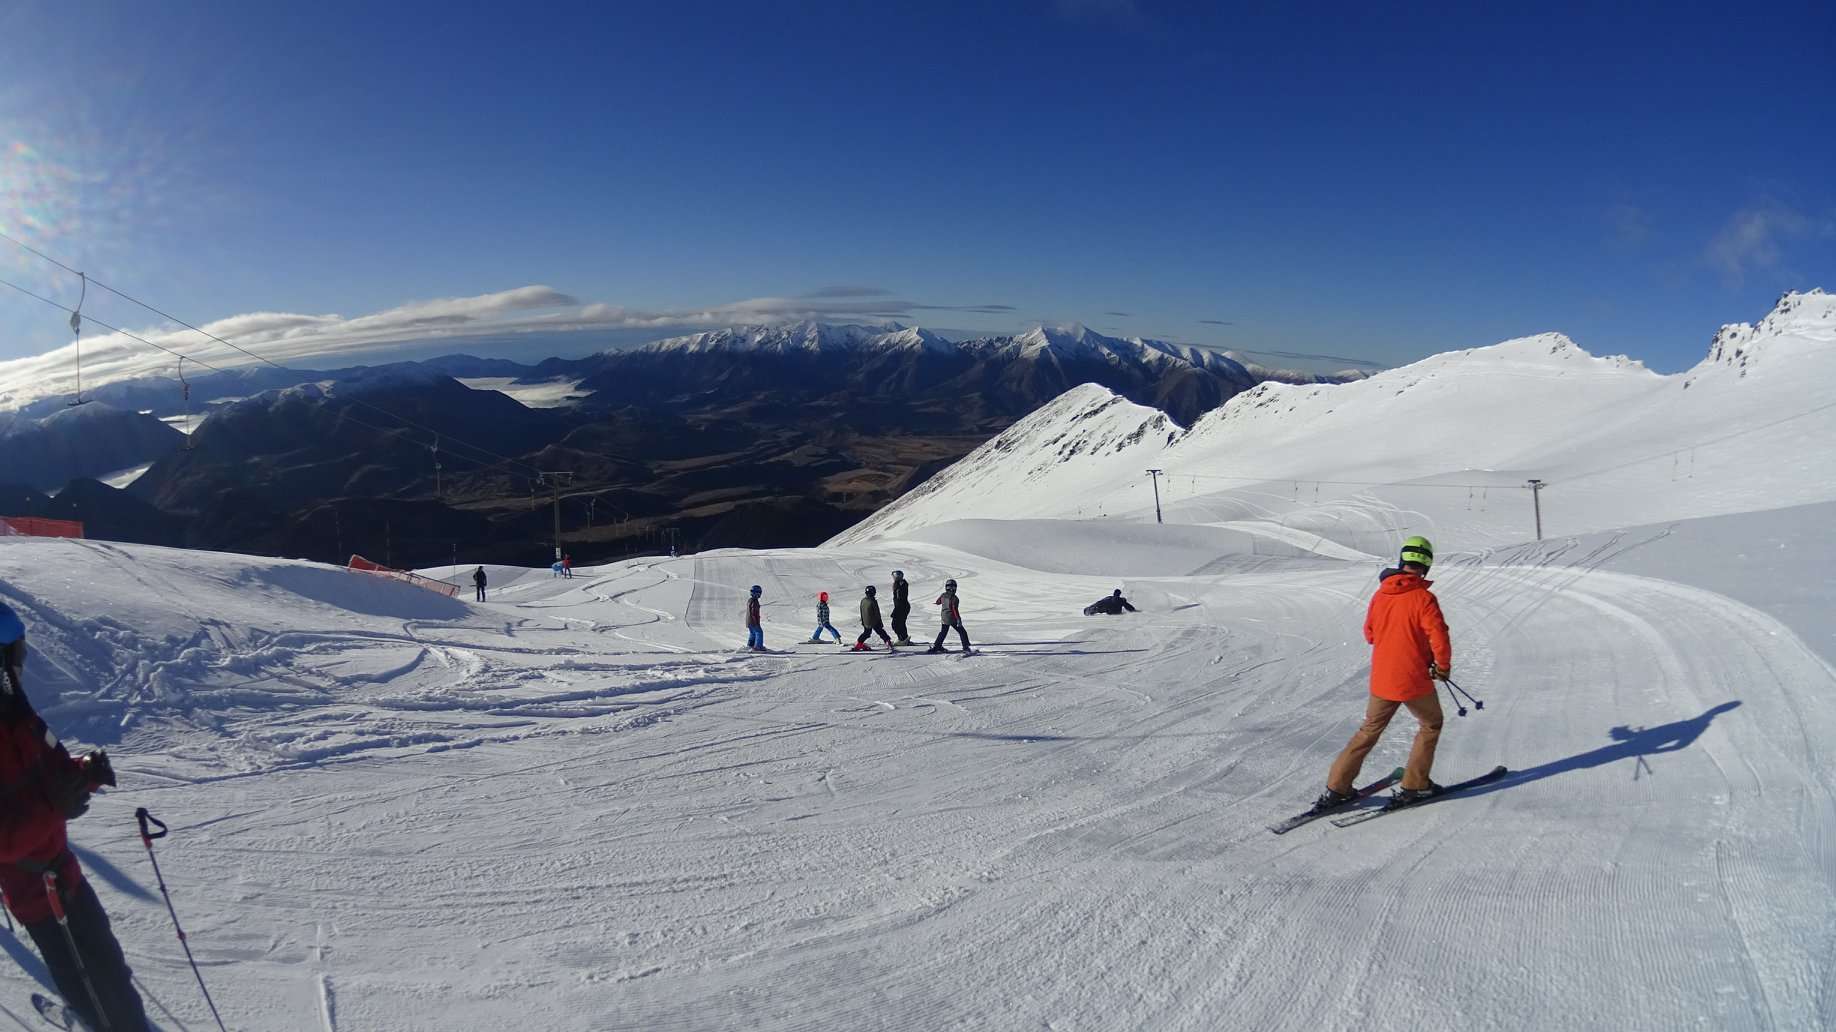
[
  {"x": 483, "y": 466},
  {"x": 501, "y": 459}
]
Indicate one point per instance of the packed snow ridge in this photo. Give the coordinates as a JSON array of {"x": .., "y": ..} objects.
[{"x": 1492, "y": 417}]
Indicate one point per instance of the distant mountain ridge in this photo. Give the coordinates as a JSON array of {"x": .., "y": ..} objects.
[
  {"x": 748, "y": 435},
  {"x": 1002, "y": 377},
  {"x": 1749, "y": 420}
]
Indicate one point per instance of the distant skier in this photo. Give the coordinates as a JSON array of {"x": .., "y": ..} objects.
[
  {"x": 42, "y": 789},
  {"x": 870, "y": 621},
  {"x": 902, "y": 607},
  {"x": 755, "y": 627},
  {"x": 567, "y": 567},
  {"x": 952, "y": 614},
  {"x": 1110, "y": 606},
  {"x": 478, "y": 581},
  {"x": 1410, "y": 651},
  {"x": 555, "y": 570},
  {"x": 822, "y": 621}
]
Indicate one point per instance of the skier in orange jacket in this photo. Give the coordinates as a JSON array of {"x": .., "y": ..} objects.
[{"x": 1410, "y": 651}]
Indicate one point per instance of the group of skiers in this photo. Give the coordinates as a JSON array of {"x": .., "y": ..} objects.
[
  {"x": 1410, "y": 651},
  {"x": 950, "y": 614}
]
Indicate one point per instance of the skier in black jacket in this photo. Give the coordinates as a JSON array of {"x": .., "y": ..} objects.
[
  {"x": 478, "y": 578},
  {"x": 1111, "y": 606},
  {"x": 870, "y": 622},
  {"x": 902, "y": 606}
]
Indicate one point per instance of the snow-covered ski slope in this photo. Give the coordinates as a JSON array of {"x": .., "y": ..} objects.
[
  {"x": 580, "y": 806},
  {"x": 1442, "y": 447}
]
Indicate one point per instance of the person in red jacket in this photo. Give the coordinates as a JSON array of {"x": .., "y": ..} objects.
[
  {"x": 1410, "y": 650},
  {"x": 44, "y": 788}
]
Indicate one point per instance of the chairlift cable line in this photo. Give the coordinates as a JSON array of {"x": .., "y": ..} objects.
[
  {"x": 483, "y": 466},
  {"x": 228, "y": 344},
  {"x": 500, "y": 460}
]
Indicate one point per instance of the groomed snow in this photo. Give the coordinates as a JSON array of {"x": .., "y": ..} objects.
[{"x": 577, "y": 807}]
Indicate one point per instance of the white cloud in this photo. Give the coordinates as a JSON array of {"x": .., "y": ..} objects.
[
  {"x": 1752, "y": 239},
  {"x": 320, "y": 340}
]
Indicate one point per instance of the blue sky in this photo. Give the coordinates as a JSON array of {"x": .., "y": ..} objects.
[{"x": 1324, "y": 180}]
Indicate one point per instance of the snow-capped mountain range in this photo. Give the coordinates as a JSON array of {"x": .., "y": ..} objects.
[
  {"x": 1754, "y": 409},
  {"x": 997, "y": 378}
]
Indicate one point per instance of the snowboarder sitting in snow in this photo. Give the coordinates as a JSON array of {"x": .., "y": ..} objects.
[
  {"x": 1410, "y": 651},
  {"x": 42, "y": 788},
  {"x": 822, "y": 621},
  {"x": 870, "y": 621},
  {"x": 952, "y": 613},
  {"x": 755, "y": 627},
  {"x": 1111, "y": 606},
  {"x": 478, "y": 579}
]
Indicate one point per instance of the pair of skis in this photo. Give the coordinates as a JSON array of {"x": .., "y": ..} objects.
[{"x": 1309, "y": 816}]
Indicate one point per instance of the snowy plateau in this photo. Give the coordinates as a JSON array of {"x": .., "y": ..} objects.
[{"x": 580, "y": 805}]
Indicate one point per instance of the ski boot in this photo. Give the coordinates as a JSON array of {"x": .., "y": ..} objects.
[
  {"x": 935, "y": 650},
  {"x": 905, "y": 642},
  {"x": 814, "y": 641},
  {"x": 1330, "y": 800},
  {"x": 1410, "y": 796},
  {"x": 861, "y": 646}
]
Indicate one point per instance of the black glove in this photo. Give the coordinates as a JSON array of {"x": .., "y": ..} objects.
[
  {"x": 69, "y": 796},
  {"x": 101, "y": 772}
]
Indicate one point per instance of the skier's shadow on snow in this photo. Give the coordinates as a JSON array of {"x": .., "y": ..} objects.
[
  {"x": 95, "y": 864},
  {"x": 27, "y": 958},
  {"x": 1629, "y": 743}
]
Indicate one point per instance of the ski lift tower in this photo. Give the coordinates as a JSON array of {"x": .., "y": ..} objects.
[{"x": 555, "y": 481}]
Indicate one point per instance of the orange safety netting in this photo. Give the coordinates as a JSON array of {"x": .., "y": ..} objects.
[
  {"x": 358, "y": 564},
  {"x": 35, "y": 526}
]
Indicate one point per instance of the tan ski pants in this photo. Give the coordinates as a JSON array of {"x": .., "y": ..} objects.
[{"x": 1427, "y": 710}]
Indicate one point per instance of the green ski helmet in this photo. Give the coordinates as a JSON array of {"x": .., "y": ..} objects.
[{"x": 1418, "y": 550}]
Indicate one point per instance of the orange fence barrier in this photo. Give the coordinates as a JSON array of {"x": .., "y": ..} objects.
[
  {"x": 359, "y": 564},
  {"x": 35, "y": 526}
]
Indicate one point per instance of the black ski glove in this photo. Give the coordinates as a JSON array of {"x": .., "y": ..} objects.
[
  {"x": 69, "y": 796},
  {"x": 101, "y": 772}
]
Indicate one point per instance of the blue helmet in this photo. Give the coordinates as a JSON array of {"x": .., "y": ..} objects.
[
  {"x": 12, "y": 648},
  {"x": 756, "y": 590}
]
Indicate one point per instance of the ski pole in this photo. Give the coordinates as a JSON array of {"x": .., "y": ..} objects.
[
  {"x": 1455, "y": 699},
  {"x": 1477, "y": 704},
  {"x": 146, "y": 839},
  {"x": 76, "y": 954}
]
